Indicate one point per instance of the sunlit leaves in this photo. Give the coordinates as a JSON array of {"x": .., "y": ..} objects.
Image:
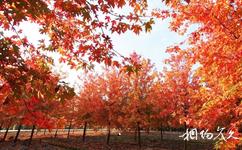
[{"x": 214, "y": 45}]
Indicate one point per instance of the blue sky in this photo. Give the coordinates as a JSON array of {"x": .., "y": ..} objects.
[{"x": 150, "y": 45}]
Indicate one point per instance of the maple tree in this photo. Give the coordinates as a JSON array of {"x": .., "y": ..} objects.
[
  {"x": 115, "y": 89},
  {"x": 89, "y": 105},
  {"x": 76, "y": 28},
  {"x": 216, "y": 46},
  {"x": 28, "y": 89},
  {"x": 140, "y": 103},
  {"x": 102, "y": 97}
]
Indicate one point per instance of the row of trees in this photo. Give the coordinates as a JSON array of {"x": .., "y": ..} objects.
[{"x": 149, "y": 99}]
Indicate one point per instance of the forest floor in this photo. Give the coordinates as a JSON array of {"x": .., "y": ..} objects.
[{"x": 96, "y": 140}]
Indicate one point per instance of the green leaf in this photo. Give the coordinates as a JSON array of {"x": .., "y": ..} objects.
[
  {"x": 148, "y": 25},
  {"x": 15, "y": 48}
]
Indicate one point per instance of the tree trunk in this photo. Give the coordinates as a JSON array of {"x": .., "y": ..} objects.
[
  {"x": 16, "y": 137},
  {"x": 68, "y": 135},
  {"x": 161, "y": 132},
  {"x": 32, "y": 133},
  {"x": 56, "y": 133},
  {"x": 185, "y": 141},
  {"x": 109, "y": 132},
  {"x": 135, "y": 135},
  {"x": 148, "y": 130},
  {"x": 84, "y": 132},
  {"x": 44, "y": 131},
  {"x": 6, "y": 133},
  {"x": 139, "y": 138},
  {"x": 1, "y": 126}
]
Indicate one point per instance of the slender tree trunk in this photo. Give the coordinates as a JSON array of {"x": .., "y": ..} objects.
[
  {"x": 161, "y": 132},
  {"x": 6, "y": 133},
  {"x": 1, "y": 126},
  {"x": 32, "y": 133},
  {"x": 16, "y": 137},
  {"x": 139, "y": 138},
  {"x": 109, "y": 133},
  {"x": 68, "y": 135},
  {"x": 44, "y": 131},
  {"x": 56, "y": 133},
  {"x": 84, "y": 132},
  {"x": 185, "y": 141},
  {"x": 148, "y": 130},
  {"x": 135, "y": 135}
]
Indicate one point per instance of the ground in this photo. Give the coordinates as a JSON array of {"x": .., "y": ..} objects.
[{"x": 96, "y": 140}]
